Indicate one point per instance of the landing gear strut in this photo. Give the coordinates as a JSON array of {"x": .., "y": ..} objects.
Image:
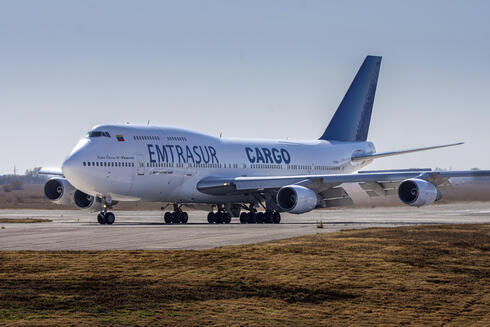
[
  {"x": 177, "y": 216},
  {"x": 220, "y": 217}
]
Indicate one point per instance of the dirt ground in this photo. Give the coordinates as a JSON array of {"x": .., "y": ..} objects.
[{"x": 425, "y": 275}]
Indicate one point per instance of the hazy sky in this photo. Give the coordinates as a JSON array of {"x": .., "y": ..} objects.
[{"x": 266, "y": 69}]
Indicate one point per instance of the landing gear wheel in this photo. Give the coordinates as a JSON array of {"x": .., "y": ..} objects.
[
  {"x": 184, "y": 217},
  {"x": 251, "y": 218},
  {"x": 167, "y": 217},
  {"x": 259, "y": 217},
  {"x": 276, "y": 217},
  {"x": 109, "y": 218},
  {"x": 243, "y": 218},
  {"x": 268, "y": 217},
  {"x": 176, "y": 217},
  {"x": 101, "y": 218},
  {"x": 218, "y": 218},
  {"x": 211, "y": 217},
  {"x": 226, "y": 218}
]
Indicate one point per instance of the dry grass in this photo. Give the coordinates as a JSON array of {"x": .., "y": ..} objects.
[
  {"x": 428, "y": 275},
  {"x": 24, "y": 220}
]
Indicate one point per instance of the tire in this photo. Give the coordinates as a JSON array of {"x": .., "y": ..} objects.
[
  {"x": 218, "y": 218},
  {"x": 276, "y": 217},
  {"x": 227, "y": 218},
  {"x": 259, "y": 217},
  {"x": 109, "y": 218},
  {"x": 268, "y": 217},
  {"x": 101, "y": 218},
  {"x": 167, "y": 217},
  {"x": 184, "y": 218},
  {"x": 243, "y": 218},
  {"x": 211, "y": 217},
  {"x": 176, "y": 217},
  {"x": 251, "y": 219}
]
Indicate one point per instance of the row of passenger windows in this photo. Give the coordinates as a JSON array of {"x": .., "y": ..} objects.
[
  {"x": 327, "y": 168},
  {"x": 157, "y": 138},
  {"x": 145, "y": 138},
  {"x": 204, "y": 165},
  {"x": 107, "y": 164},
  {"x": 177, "y": 138},
  {"x": 265, "y": 166}
]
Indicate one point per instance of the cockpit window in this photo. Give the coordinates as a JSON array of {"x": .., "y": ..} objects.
[{"x": 98, "y": 134}]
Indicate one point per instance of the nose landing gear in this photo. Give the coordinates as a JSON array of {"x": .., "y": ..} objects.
[{"x": 106, "y": 217}]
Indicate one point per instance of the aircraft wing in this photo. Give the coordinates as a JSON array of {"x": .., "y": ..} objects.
[
  {"x": 361, "y": 157},
  {"x": 322, "y": 183},
  {"x": 51, "y": 171}
]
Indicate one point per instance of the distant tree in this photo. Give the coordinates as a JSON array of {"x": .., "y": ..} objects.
[{"x": 33, "y": 172}]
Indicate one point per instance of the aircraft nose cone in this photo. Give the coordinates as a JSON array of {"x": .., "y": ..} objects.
[{"x": 70, "y": 165}]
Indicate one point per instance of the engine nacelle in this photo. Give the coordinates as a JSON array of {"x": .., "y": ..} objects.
[
  {"x": 296, "y": 199},
  {"x": 86, "y": 201},
  {"x": 59, "y": 190},
  {"x": 418, "y": 192}
]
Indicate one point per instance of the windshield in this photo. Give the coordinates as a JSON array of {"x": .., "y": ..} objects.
[{"x": 98, "y": 134}]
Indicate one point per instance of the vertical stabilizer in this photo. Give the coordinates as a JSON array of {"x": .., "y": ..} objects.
[{"x": 350, "y": 122}]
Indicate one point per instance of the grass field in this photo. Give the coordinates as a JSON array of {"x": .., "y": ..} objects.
[{"x": 427, "y": 275}]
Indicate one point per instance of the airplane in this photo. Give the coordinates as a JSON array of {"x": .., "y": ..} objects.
[{"x": 253, "y": 179}]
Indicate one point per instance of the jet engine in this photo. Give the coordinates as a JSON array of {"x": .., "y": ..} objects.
[
  {"x": 418, "y": 192},
  {"x": 87, "y": 202},
  {"x": 296, "y": 199},
  {"x": 59, "y": 190}
]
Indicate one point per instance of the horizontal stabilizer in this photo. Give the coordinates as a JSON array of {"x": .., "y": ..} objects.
[{"x": 361, "y": 157}]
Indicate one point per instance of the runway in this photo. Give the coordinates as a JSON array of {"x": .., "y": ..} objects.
[{"x": 78, "y": 230}]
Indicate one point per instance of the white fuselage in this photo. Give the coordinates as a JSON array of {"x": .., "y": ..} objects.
[{"x": 165, "y": 164}]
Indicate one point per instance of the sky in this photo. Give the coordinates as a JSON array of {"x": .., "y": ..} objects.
[{"x": 261, "y": 69}]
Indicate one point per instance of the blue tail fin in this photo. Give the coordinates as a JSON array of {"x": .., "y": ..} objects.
[{"x": 350, "y": 122}]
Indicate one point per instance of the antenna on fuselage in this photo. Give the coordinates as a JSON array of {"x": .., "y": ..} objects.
[{"x": 148, "y": 123}]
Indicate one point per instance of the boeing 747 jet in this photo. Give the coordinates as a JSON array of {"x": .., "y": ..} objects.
[{"x": 255, "y": 180}]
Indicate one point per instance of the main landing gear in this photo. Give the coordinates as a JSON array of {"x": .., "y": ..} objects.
[
  {"x": 177, "y": 216},
  {"x": 253, "y": 217},
  {"x": 220, "y": 217},
  {"x": 106, "y": 218}
]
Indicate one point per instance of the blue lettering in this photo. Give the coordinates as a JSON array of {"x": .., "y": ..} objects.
[
  {"x": 260, "y": 157},
  {"x": 151, "y": 153},
  {"x": 179, "y": 153},
  {"x": 161, "y": 154},
  {"x": 267, "y": 154},
  {"x": 213, "y": 154},
  {"x": 285, "y": 156},
  {"x": 277, "y": 157},
  {"x": 249, "y": 155},
  {"x": 170, "y": 147},
  {"x": 197, "y": 154},
  {"x": 206, "y": 160},
  {"x": 189, "y": 154}
]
